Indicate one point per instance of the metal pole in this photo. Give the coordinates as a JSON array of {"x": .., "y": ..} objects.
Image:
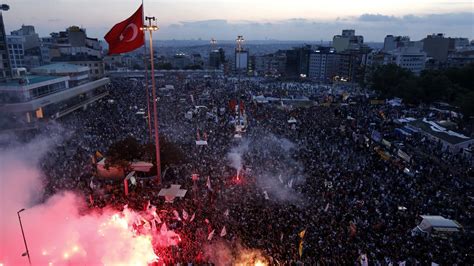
[
  {"x": 23, "y": 234},
  {"x": 155, "y": 111},
  {"x": 146, "y": 78}
]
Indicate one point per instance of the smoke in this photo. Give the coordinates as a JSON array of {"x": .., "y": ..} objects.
[
  {"x": 219, "y": 253},
  {"x": 272, "y": 161},
  {"x": 222, "y": 254},
  {"x": 59, "y": 231},
  {"x": 235, "y": 156}
]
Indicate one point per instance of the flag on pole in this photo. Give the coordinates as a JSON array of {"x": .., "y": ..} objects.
[
  {"x": 163, "y": 229},
  {"x": 185, "y": 215},
  {"x": 211, "y": 235},
  {"x": 208, "y": 183},
  {"x": 300, "y": 248},
  {"x": 176, "y": 215},
  {"x": 126, "y": 36},
  {"x": 98, "y": 154},
  {"x": 223, "y": 232}
]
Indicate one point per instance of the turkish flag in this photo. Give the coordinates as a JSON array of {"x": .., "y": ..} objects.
[{"x": 126, "y": 36}]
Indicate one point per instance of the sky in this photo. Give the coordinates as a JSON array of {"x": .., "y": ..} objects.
[{"x": 310, "y": 20}]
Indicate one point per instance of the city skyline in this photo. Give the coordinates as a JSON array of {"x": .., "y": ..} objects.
[{"x": 282, "y": 20}]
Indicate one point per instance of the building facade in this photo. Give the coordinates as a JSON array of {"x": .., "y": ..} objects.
[
  {"x": 16, "y": 51},
  {"x": 51, "y": 92},
  {"x": 347, "y": 41},
  {"x": 323, "y": 63}
]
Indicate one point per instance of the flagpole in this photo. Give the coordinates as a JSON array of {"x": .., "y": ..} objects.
[
  {"x": 146, "y": 77},
  {"x": 150, "y": 29}
]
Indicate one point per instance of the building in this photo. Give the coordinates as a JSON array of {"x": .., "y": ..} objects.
[
  {"x": 5, "y": 67},
  {"x": 323, "y": 63},
  {"x": 437, "y": 47},
  {"x": 297, "y": 61},
  {"x": 352, "y": 65},
  {"x": 411, "y": 58},
  {"x": 16, "y": 51},
  {"x": 180, "y": 61},
  {"x": 216, "y": 58},
  {"x": 270, "y": 64},
  {"x": 449, "y": 139},
  {"x": 460, "y": 59},
  {"x": 347, "y": 41},
  {"x": 241, "y": 60},
  {"x": 30, "y": 37},
  {"x": 96, "y": 65},
  {"x": 35, "y": 53},
  {"x": 394, "y": 42},
  {"x": 50, "y": 92}
]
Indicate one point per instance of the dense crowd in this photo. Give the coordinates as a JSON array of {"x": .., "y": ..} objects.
[{"x": 320, "y": 174}]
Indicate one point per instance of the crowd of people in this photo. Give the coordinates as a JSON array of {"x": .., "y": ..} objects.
[{"x": 319, "y": 174}]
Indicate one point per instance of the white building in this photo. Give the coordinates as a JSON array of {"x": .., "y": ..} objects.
[
  {"x": 51, "y": 92},
  {"x": 241, "y": 60},
  {"x": 411, "y": 58}
]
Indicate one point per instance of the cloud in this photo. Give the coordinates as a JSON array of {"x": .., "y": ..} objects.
[
  {"x": 374, "y": 27},
  {"x": 376, "y": 18}
]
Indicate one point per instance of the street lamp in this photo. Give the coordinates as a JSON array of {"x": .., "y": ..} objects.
[
  {"x": 4, "y": 7},
  {"x": 27, "y": 253},
  {"x": 151, "y": 28}
]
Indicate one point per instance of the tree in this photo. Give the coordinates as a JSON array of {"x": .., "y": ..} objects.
[
  {"x": 170, "y": 153},
  {"x": 466, "y": 103},
  {"x": 387, "y": 78},
  {"x": 123, "y": 152}
]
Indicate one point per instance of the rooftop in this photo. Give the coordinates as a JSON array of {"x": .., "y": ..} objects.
[
  {"x": 439, "y": 132},
  {"x": 59, "y": 68},
  {"x": 28, "y": 80}
]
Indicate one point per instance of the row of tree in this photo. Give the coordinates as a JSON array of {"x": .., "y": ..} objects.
[{"x": 454, "y": 86}]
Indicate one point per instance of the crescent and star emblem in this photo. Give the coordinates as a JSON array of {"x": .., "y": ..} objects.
[{"x": 134, "y": 35}]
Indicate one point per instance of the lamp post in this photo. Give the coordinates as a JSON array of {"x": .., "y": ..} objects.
[
  {"x": 23, "y": 234},
  {"x": 150, "y": 28},
  {"x": 239, "y": 49}
]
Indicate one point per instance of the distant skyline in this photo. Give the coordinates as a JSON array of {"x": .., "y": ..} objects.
[{"x": 301, "y": 20}]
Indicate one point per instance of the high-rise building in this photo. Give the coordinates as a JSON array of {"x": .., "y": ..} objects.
[
  {"x": 16, "y": 51},
  {"x": 241, "y": 60},
  {"x": 347, "y": 41},
  {"x": 437, "y": 47},
  {"x": 352, "y": 65},
  {"x": 323, "y": 63},
  {"x": 216, "y": 58},
  {"x": 297, "y": 61},
  {"x": 30, "y": 37},
  {"x": 5, "y": 67}
]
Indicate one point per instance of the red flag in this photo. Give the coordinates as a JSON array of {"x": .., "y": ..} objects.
[
  {"x": 126, "y": 36},
  {"x": 232, "y": 104}
]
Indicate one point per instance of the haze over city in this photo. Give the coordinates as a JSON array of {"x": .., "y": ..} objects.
[{"x": 257, "y": 20}]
